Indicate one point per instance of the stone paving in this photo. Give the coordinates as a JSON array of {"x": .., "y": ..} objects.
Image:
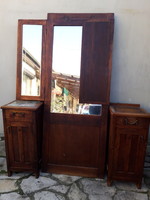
[{"x": 24, "y": 186}]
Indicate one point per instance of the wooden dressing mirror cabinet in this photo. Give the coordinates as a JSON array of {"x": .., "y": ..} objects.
[{"x": 65, "y": 62}]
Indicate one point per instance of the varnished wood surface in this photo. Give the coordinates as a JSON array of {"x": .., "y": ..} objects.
[
  {"x": 74, "y": 141},
  {"x": 127, "y": 143},
  {"x": 65, "y": 18},
  {"x": 22, "y": 22},
  {"x": 23, "y": 136},
  {"x": 77, "y": 142},
  {"x": 95, "y": 67},
  {"x": 74, "y": 170}
]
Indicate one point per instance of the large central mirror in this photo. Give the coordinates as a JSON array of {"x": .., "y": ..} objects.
[{"x": 66, "y": 64}]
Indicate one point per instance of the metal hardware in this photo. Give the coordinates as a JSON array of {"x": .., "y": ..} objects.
[
  {"x": 19, "y": 114},
  {"x": 130, "y": 122}
]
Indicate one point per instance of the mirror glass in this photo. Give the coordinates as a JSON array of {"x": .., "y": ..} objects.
[
  {"x": 66, "y": 68},
  {"x": 66, "y": 62},
  {"x": 31, "y": 60}
]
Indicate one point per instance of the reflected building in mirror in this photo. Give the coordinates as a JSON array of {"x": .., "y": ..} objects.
[
  {"x": 30, "y": 74},
  {"x": 65, "y": 96},
  {"x": 65, "y": 93}
]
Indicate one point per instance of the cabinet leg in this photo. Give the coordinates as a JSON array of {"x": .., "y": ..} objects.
[
  {"x": 109, "y": 182},
  {"x": 9, "y": 173},
  {"x": 138, "y": 185},
  {"x": 37, "y": 174}
]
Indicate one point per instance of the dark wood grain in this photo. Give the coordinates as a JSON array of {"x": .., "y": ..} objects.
[
  {"x": 95, "y": 68},
  {"x": 23, "y": 135},
  {"x": 127, "y": 143},
  {"x": 76, "y": 144},
  {"x": 72, "y": 144}
]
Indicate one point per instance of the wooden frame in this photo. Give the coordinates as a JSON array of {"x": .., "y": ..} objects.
[
  {"x": 77, "y": 19},
  {"x": 19, "y": 59},
  {"x": 60, "y": 154}
]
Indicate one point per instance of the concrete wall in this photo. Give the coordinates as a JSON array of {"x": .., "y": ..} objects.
[{"x": 131, "y": 51}]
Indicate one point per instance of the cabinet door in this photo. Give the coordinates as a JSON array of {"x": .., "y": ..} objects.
[
  {"x": 21, "y": 144},
  {"x": 129, "y": 151}
]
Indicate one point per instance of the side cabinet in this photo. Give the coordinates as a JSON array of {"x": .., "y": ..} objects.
[
  {"x": 127, "y": 143},
  {"x": 23, "y": 135}
]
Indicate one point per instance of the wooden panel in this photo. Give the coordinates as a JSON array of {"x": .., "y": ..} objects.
[
  {"x": 29, "y": 144},
  {"x": 19, "y": 115},
  {"x": 74, "y": 141},
  {"x": 134, "y": 149},
  {"x": 78, "y": 18},
  {"x": 73, "y": 170},
  {"x": 14, "y": 141},
  {"x": 21, "y": 143},
  {"x": 95, "y": 69},
  {"x": 128, "y": 152},
  {"x": 74, "y": 119},
  {"x": 74, "y": 145}
]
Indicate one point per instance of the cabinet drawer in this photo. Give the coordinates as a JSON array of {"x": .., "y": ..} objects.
[
  {"x": 132, "y": 122},
  {"x": 19, "y": 115}
]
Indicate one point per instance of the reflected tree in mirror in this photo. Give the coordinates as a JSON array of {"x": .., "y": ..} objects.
[
  {"x": 66, "y": 62},
  {"x": 31, "y": 60}
]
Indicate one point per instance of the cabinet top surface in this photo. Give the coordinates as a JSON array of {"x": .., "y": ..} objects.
[
  {"x": 129, "y": 110},
  {"x": 23, "y": 104}
]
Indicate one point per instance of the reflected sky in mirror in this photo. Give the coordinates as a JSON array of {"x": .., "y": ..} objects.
[
  {"x": 31, "y": 60},
  {"x": 67, "y": 49},
  {"x": 32, "y": 40}
]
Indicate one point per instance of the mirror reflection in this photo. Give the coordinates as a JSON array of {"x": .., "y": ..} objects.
[
  {"x": 66, "y": 68},
  {"x": 66, "y": 62},
  {"x": 31, "y": 60}
]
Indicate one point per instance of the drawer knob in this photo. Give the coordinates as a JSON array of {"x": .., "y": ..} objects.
[
  {"x": 19, "y": 114},
  {"x": 131, "y": 121}
]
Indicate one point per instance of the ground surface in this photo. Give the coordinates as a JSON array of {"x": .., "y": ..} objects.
[{"x": 24, "y": 186}]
